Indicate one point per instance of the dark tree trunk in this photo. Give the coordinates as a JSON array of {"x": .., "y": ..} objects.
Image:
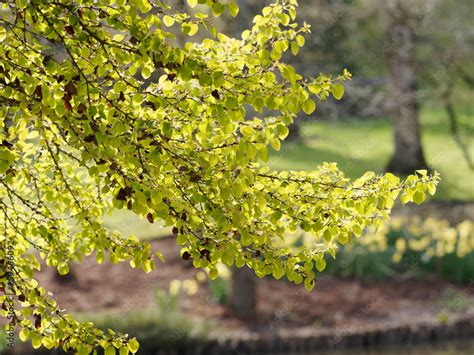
[
  {"x": 69, "y": 278},
  {"x": 243, "y": 299},
  {"x": 294, "y": 133},
  {"x": 408, "y": 154}
]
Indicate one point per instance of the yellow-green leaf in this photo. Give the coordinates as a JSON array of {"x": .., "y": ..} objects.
[
  {"x": 337, "y": 91},
  {"x": 233, "y": 8},
  {"x": 419, "y": 197},
  {"x": 168, "y": 21},
  {"x": 309, "y": 106},
  {"x": 3, "y": 33},
  {"x": 133, "y": 345}
]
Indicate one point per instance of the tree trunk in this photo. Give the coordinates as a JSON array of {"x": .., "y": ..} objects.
[
  {"x": 408, "y": 155},
  {"x": 294, "y": 134},
  {"x": 69, "y": 278},
  {"x": 243, "y": 299}
]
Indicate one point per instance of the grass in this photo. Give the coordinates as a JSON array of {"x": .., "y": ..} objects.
[
  {"x": 128, "y": 223},
  {"x": 361, "y": 145}
]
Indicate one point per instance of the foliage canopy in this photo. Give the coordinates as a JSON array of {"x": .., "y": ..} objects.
[{"x": 101, "y": 109}]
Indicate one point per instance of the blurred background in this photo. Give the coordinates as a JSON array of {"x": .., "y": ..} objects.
[{"x": 409, "y": 106}]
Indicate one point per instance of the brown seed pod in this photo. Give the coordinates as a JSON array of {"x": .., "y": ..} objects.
[
  {"x": 186, "y": 256},
  {"x": 38, "y": 321},
  {"x": 150, "y": 218},
  {"x": 215, "y": 94}
]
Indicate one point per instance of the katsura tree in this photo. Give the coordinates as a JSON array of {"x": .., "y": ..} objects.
[{"x": 85, "y": 131}]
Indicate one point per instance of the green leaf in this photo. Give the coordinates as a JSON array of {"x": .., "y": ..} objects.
[
  {"x": 343, "y": 238},
  {"x": 3, "y": 33},
  {"x": 118, "y": 37},
  {"x": 63, "y": 268},
  {"x": 264, "y": 154},
  {"x": 110, "y": 350},
  {"x": 190, "y": 28},
  {"x": 218, "y": 8},
  {"x": 168, "y": 21},
  {"x": 423, "y": 172},
  {"x": 143, "y": 5},
  {"x": 327, "y": 235},
  {"x": 24, "y": 334},
  {"x": 309, "y": 284},
  {"x": 314, "y": 88},
  {"x": 309, "y": 106},
  {"x": 285, "y": 19},
  {"x": 320, "y": 264},
  {"x": 419, "y": 197},
  {"x": 300, "y": 40},
  {"x": 247, "y": 131},
  {"x": 36, "y": 340},
  {"x": 337, "y": 91},
  {"x": 148, "y": 266},
  {"x": 21, "y": 4},
  {"x": 182, "y": 239},
  {"x": 282, "y": 131},
  {"x": 233, "y": 8},
  {"x": 119, "y": 87},
  {"x": 357, "y": 229},
  {"x": 192, "y": 3},
  {"x": 133, "y": 345},
  {"x": 213, "y": 273},
  {"x": 406, "y": 197},
  {"x": 431, "y": 188},
  {"x": 294, "y": 48},
  {"x": 276, "y": 144}
]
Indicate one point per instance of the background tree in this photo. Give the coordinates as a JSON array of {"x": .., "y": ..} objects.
[
  {"x": 355, "y": 35},
  {"x": 243, "y": 293},
  {"x": 445, "y": 57},
  {"x": 85, "y": 133},
  {"x": 400, "y": 17}
]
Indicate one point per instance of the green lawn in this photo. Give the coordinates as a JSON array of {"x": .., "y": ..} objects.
[
  {"x": 361, "y": 145},
  {"x": 128, "y": 223}
]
